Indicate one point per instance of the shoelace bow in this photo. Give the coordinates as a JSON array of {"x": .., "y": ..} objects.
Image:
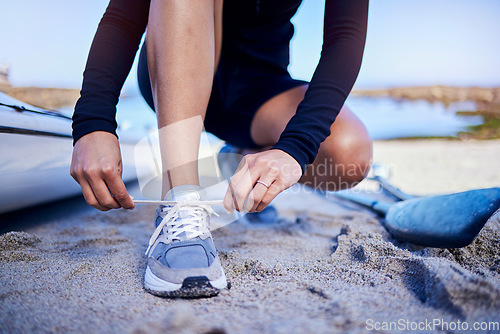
[{"x": 190, "y": 225}]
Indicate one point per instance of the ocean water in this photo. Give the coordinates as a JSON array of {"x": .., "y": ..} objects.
[{"x": 385, "y": 118}]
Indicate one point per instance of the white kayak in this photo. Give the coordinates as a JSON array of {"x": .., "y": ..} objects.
[{"x": 35, "y": 155}]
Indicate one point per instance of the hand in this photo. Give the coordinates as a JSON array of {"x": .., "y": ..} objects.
[
  {"x": 97, "y": 167},
  {"x": 275, "y": 168}
]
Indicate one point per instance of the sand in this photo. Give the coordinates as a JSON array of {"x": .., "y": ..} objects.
[{"x": 326, "y": 266}]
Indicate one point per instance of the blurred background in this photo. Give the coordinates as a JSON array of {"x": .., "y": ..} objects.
[{"x": 426, "y": 63}]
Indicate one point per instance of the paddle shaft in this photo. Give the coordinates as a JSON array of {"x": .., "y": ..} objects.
[
  {"x": 389, "y": 188},
  {"x": 380, "y": 207}
]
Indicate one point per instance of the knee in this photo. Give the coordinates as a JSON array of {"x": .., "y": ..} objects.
[{"x": 351, "y": 157}]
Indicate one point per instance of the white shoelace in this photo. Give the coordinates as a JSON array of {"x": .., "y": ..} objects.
[{"x": 192, "y": 225}]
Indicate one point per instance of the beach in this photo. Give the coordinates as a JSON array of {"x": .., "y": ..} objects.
[
  {"x": 422, "y": 77},
  {"x": 325, "y": 266}
]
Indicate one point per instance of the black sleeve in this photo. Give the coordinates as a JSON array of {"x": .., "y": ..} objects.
[
  {"x": 110, "y": 59},
  {"x": 343, "y": 45}
]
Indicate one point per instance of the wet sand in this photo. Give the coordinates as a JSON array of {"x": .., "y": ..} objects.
[{"x": 326, "y": 266}]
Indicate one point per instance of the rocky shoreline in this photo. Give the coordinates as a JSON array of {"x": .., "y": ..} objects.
[
  {"x": 46, "y": 98},
  {"x": 486, "y": 99}
]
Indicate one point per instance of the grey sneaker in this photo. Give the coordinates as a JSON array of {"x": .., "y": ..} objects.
[
  {"x": 228, "y": 159},
  {"x": 182, "y": 260}
]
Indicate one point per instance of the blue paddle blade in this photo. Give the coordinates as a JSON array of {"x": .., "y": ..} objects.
[{"x": 448, "y": 221}]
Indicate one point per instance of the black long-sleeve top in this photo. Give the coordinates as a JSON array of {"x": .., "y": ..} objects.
[{"x": 259, "y": 29}]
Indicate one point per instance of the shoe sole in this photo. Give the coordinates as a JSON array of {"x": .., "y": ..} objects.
[{"x": 191, "y": 287}]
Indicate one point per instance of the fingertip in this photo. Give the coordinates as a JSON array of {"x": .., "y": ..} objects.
[
  {"x": 129, "y": 206},
  {"x": 248, "y": 207},
  {"x": 229, "y": 209},
  {"x": 227, "y": 203},
  {"x": 132, "y": 203}
]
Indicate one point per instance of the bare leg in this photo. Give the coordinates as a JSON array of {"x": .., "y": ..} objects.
[
  {"x": 181, "y": 45},
  {"x": 218, "y": 29},
  {"x": 344, "y": 158}
]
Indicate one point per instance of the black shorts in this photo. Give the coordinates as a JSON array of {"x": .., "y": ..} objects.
[{"x": 238, "y": 91}]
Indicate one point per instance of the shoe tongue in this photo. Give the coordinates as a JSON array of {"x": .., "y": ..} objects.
[{"x": 186, "y": 193}]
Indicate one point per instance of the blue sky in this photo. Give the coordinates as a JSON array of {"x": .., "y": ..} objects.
[{"x": 425, "y": 42}]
